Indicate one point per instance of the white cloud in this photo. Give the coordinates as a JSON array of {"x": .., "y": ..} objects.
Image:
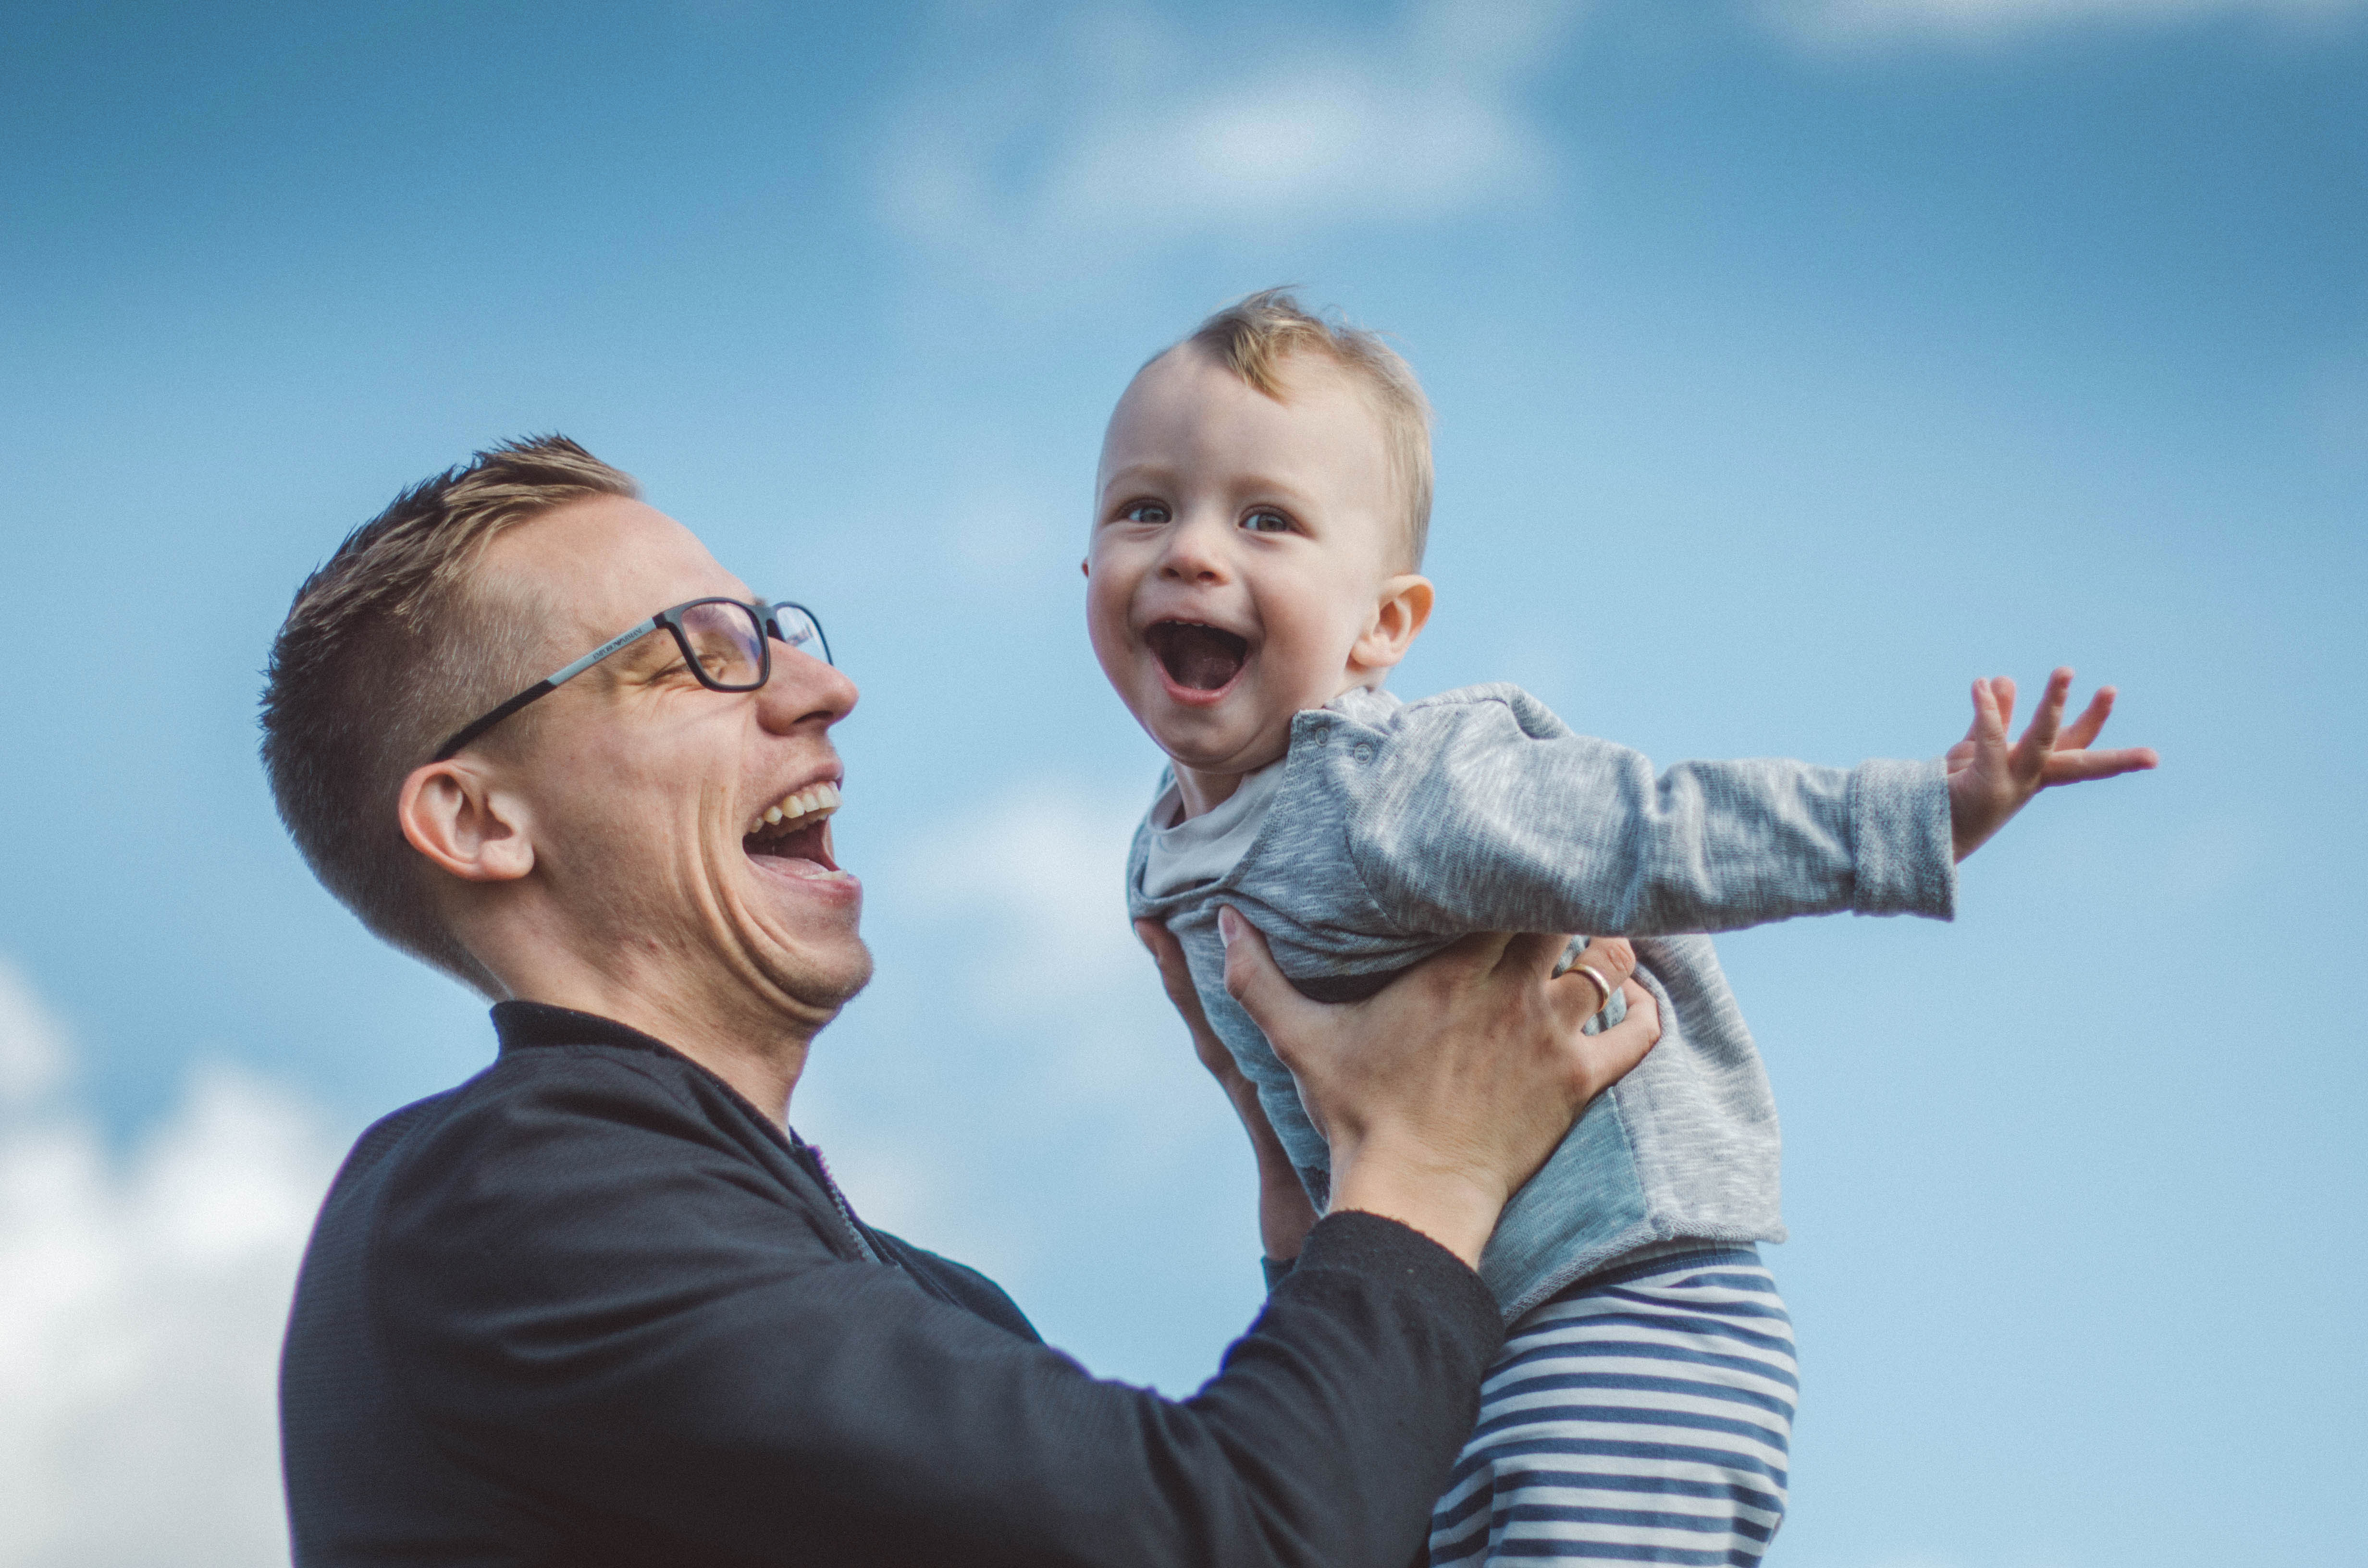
[
  {"x": 142, "y": 1300},
  {"x": 1106, "y": 132},
  {"x": 1036, "y": 875},
  {"x": 1015, "y": 1042},
  {"x": 1861, "y": 23},
  {"x": 33, "y": 1043}
]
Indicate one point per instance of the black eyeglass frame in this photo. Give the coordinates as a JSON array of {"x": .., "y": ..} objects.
[{"x": 768, "y": 627}]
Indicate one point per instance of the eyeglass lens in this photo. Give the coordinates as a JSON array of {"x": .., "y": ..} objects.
[
  {"x": 725, "y": 640},
  {"x": 799, "y": 631}
]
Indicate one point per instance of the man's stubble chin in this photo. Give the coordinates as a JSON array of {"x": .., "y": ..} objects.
[
  {"x": 849, "y": 977},
  {"x": 810, "y": 987}
]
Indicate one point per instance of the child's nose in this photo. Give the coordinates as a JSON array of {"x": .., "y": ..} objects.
[{"x": 1195, "y": 553}]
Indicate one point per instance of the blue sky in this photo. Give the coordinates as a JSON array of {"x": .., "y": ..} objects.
[{"x": 1795, "y": 362}]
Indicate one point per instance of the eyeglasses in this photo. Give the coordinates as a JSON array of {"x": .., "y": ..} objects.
[{"x": 727, "y": 645}]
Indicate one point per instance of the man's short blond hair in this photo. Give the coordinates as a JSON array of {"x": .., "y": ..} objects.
[
  {"x": 1254, "y": 337},
  {"x": 392, "y": 645}
]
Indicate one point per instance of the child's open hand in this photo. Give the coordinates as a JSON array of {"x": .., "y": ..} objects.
[{"x": 1989, "y": 780}]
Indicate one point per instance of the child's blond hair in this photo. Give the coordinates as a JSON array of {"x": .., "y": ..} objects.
[{"x": 1253, "y": 337}]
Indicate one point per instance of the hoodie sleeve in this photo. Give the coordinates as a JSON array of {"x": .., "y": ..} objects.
[{"x": 1483, "y": 811}]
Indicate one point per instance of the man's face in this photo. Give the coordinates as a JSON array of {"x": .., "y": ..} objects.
[
  {"x": 1239, "y": 547},
  {"x": 648, "y": 792}
]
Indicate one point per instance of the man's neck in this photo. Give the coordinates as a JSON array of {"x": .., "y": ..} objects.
[{"x": 760, "y": 1052}]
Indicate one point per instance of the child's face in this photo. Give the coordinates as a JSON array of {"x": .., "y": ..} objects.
[{"x": 1242, "y": 556}]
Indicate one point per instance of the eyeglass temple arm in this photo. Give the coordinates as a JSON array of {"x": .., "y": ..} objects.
[{"x": 542, "y": 687}]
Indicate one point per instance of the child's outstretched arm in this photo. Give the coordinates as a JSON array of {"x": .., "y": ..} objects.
[
  {"x": 1480, "y": 810},
  {"x": 1991, "y": 780}
]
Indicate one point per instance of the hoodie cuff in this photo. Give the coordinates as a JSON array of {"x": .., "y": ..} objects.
[{"x": 1906, "y": 862}]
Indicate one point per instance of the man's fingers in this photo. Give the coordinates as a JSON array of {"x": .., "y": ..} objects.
[
  {"x": 1613, "y": 957},
  {"x": 1604, "y": 1058},
  {"x": 1254, "y": 980},
  {"x": 1176, "y": 978},
  {"x": 1531, "y": 950},
  {"x": 1169, "y": 953}
]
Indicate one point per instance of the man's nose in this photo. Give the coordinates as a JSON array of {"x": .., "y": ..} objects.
[
  {"x": 1194, "y": 552},
  {"x": 804, "y": 691}
]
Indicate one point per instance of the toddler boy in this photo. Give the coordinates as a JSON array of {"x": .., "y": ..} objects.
[{"x": 1261, "y": 512}]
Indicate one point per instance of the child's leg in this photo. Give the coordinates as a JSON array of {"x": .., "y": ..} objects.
[{"x": 1644, "y": 1414}]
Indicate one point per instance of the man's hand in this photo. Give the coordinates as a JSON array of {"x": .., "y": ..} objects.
[
  {"x": 1989, "y": 780},
  {"x": 1285, "y": 1215},
  {"x": 1444, "y": 1091}
]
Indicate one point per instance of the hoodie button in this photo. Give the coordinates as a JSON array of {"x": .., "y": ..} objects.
[{"x": 1364, "y": 752}]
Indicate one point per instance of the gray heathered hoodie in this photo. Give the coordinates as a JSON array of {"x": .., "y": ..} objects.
[{"x": 1397, "y": 827}]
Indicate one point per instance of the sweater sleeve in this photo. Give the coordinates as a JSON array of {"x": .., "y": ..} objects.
[
  {"x": 1487, "y": 813},
  {"x": 593, "y": 1297}
]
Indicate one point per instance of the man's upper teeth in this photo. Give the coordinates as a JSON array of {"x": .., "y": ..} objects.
[{"x": 816, "y": 799}]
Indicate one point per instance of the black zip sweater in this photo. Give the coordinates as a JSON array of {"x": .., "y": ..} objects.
[{"x": 591, "y": 1309}]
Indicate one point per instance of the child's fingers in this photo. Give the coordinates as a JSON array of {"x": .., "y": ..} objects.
[
  {"x": 2079, "y": 767},
  {"x": 2048, "y": 721},
  {"x": 2084, "y": 730},
  {"x": 1989, "y": 726},
  {"x": 2002, "y": 692}
]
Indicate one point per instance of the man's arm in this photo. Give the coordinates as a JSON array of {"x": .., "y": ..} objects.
[{"x": 597, "y": 1297}]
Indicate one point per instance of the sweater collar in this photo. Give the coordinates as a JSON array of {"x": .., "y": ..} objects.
[{"x": 517, "y": 1025}]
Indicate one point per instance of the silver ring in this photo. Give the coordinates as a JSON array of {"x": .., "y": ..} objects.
[{"x": 1602, "y": 986}]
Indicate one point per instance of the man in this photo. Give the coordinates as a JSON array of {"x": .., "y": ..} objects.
[{"x": 599, "y": 1304}]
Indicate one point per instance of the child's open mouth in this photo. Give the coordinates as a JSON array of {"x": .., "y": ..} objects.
[
  {"x": 795, "y": 832},
  {"x": 1197, "y": 657}
]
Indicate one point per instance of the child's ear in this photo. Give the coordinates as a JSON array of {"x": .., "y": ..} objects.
[{"x": 1400, "y": 612}]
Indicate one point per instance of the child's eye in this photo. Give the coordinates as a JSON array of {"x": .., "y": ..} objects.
[
  {"x": 1264, "y": 521},
  {"x": 1143, "y": 512}
]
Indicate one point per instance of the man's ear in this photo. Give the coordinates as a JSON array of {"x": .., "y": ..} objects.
[
  {"x": 1401, "y": 611},
  {"x": 453, "y": 814}
]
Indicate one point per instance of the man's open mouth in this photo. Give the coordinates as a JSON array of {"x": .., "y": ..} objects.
[
  {"x": 1197, "y": 657},
  {"x": 795, "y": 832}
]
